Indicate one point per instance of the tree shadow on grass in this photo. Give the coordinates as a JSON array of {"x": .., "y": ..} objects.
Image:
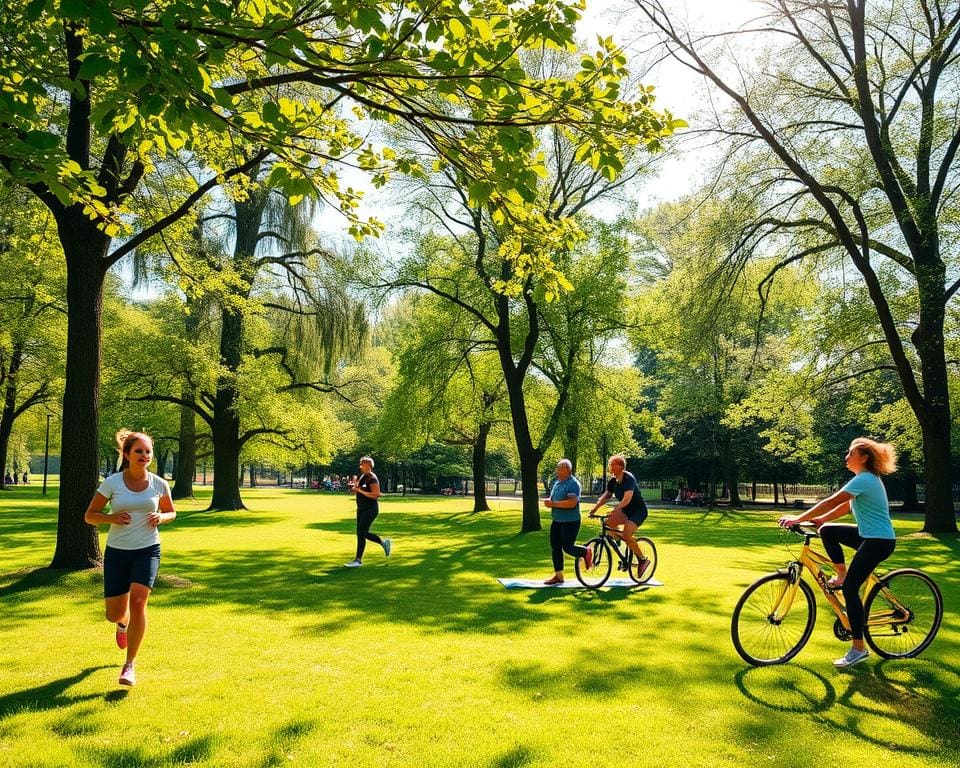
[
  {"x": 193, "y": 751},
  {"x": 908, "y": 694},
  {"x": 447, "y": 588},
  {"x": 587, "y": 597},
  {"x": 52, "y": 695},
  {"x": 284, "y": 742},
  {"x": 202, "y": 518},
  {"x": 29, "y": 579},
  {"x": 515, "y": 757}
]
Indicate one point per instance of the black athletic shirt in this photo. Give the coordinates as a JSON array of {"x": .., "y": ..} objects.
[
  {"x": 629, "y": 483},
  {"x": 364, "y": 503}
]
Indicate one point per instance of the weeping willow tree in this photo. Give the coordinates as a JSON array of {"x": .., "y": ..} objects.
[{"x": 284, "y": 322}]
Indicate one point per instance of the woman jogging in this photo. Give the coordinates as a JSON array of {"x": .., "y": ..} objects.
[
  {"x": 872, "y": 537},
  {"x": 367, "y": 490},
  {"x": 139, "y": 502}
]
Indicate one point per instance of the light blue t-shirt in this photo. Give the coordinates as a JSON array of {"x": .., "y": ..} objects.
[
  {"x": 870, "y": 506},
  {"x": 560, "y": 492}
]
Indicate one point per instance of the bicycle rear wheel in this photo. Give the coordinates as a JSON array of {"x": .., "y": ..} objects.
[
  {"x": 643, "y": 574},
  {"x": 599, "y": 571},
  {"x": 761, "y": 633},
  {"x": 903, "y": 612}
]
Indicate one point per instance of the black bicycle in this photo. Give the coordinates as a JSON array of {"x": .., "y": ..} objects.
[{"x": 602, "y": 550}]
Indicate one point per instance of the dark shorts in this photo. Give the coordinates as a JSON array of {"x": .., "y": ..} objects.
[
  {"x": 637, "y": 517},
  {"x": 123, "y": 567}
]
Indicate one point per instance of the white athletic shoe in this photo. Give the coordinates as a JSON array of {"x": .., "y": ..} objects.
[
  {"x": 387, "y": 546},
  {"x": 851, "y": 657},
  {"x": 353, "y": 564}
]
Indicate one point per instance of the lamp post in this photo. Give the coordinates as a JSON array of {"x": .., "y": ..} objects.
[{"x": 46, "y": 454}]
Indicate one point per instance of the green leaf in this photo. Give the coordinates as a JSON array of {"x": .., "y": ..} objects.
[
  {"x": 74, "y": 10},
  {"x": 42, "y": 140},
  {"x": 479, "y": 192},
  {"x": 94, "y": 64}
]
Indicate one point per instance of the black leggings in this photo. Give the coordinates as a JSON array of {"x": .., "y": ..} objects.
[
  {"x": 365, "y": 518},
  {"x": 870, "y": 553},
  {"x": 563, "y": 537}
]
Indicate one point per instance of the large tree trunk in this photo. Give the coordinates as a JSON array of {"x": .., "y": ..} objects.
[
  {"x": 226, "y": 421},
  {"x": 226, "y": 426},
  {"x": 480, "y": 469},
  {"x": 934, "y": 413},
  {"x": 226, "y": 462},
  {"x": 939, "y": 515},
  {"x": 186, "y": 452},
  {"x": 9, "y": 408},
  {"x": 84, "y": 247},
  {"x": 911, "y": 503},
  {"x": 527, "y": 452}
]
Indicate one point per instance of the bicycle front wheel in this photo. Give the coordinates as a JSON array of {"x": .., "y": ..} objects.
[
  {"x": 764, "y": 629},
  {"x": 642, "y": 571},
  {"x": 599, "y": 571},
  {"x": 903, "y": 612}
]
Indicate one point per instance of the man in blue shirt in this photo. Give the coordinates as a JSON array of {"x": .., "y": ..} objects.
[
  {"x": 630, "y": 510},
  {"x": 564, "y": 506}
]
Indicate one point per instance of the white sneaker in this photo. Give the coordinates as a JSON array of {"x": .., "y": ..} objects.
[
  {"x": 353, "y": 564},
  {"x": 387, "y": 546},
  {"x": 127, "y": 675},
  {"x": 851, "y": 657}
]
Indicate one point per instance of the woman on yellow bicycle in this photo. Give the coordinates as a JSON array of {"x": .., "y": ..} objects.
[{"x": 872, "y": 537}]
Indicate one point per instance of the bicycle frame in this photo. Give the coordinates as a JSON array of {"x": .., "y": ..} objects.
[
  {"x": 776, "y": 614},
  {"x": 612, "y": 535},
  {"x": 813, "y": 562}
]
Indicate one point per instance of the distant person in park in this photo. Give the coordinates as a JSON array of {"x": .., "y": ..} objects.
[
  {"x": 630, "y": 510},
  {"x": 26, "y": 478},
  {"x": 564, "y": 506},
  {"x": 367, "y": 490},
  {"x": 7, "y": 479},
  {"x": 139, "y": 502},
  {"x": 872, "y": 537}
]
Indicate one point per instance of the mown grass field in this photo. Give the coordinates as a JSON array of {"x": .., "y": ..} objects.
[{"x": 263, "y": 650}]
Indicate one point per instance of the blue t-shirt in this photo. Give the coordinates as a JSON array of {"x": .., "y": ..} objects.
[
  {"x": 870, "y": 506},
  {"x": 561, "y": 491}
]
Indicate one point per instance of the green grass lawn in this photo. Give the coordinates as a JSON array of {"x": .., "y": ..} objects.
[{"x": 264, "y": 650}]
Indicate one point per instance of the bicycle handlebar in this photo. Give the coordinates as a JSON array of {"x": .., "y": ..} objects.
[{"x": 803, "y": 529}]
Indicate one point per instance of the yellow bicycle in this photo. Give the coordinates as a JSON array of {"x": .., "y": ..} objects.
[{"x": 775, "y": 616}]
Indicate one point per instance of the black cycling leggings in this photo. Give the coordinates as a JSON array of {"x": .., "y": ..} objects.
[
  {"x": 365, "y": 519},
  {"x": 870, "y": 553},
  {"x": 563, "y": 537}
]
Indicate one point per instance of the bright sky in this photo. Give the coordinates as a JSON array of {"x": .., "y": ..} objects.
[{"x": 678, "y": 89}]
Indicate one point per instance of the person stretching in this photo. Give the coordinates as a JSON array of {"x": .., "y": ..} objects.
[{"x": 564, "y": 506}]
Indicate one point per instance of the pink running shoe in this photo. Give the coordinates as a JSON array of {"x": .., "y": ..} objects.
[
  {"x": 121, "y": 636},
  {"x": 588, "y": 558},
  {"x": 127, "y": 675}
]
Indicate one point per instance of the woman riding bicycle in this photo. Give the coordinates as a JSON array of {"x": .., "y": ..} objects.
[
  {"x": 872, "y": 537},
  {"x": 630, "y": 510}
]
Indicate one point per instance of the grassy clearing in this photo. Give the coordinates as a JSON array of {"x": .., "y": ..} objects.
[{"x": 265, "y": 651}]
